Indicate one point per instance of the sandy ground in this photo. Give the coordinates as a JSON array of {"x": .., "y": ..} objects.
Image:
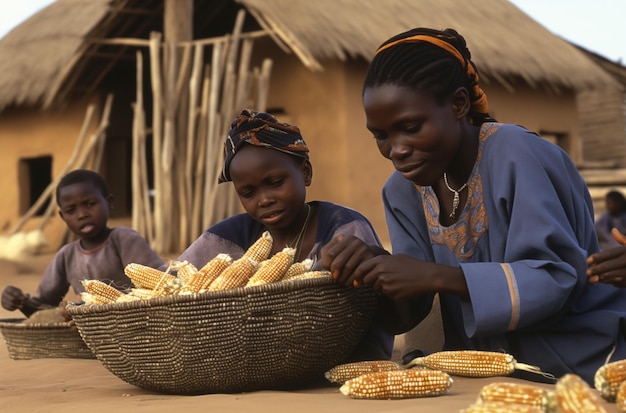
[{"x": 62, "y": 385}]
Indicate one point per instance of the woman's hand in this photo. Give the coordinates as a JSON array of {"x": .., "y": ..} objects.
[
  {"x": 343, "y": 254},
  {"x": 609, "y": 266},
  {"x": 353, "y": 263}
]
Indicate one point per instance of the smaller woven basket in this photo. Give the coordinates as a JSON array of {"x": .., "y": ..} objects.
[
  {"x": 27, "y": 341},
  {"x": 273, "y": 336}
]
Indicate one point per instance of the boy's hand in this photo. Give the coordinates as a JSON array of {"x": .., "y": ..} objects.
[
  {"x": 619, "y": 237},
  {"x": 342, "y": 255},
  {"x": 13, "y": 298}
]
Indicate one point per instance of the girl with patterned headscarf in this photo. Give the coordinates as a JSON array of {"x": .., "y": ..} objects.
[
  {"x": 494, "y": 219},
  {"x": 268, "y": 164}
]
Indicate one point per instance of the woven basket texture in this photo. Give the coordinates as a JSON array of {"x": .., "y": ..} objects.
[
  {"x": 26, "y": 341},
  {"x": 275, "y": 336}
]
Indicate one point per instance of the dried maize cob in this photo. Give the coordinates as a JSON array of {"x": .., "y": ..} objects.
[
  {"x": 502, "y": 407},
  {"x": 298, "y": 268},
  {"x": 472, "y": 363},
  {"x": 397, "y": 384},
  {"x": 89, "y": 298},
  {"x": 620, "y": 397},
  {"x": 344, "y": 372},
  {"x": 574, "y": 395},
  {"x": 235, "y": 275},
  {"x": 102, "y": 291},
  {"x": 608, "y": 378},
  {"x": 143, "y": 276},
  {"x": 207, "y": 274},
  {"x": 310, "y": 274},
  {"x": 519, "y": 393},
  {"x": 261, "y": 249},
  {"x": 273, "y": 269},
  {"x": 185, "y": 271}
]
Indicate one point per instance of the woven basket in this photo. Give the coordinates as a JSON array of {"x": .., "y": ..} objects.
[
  {"x": 36, "y": 340},
  {"x": 279, "y": 335}
]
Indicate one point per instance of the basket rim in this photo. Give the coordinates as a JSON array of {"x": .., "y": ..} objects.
[
  {"x": 286, "y": 286},
  {"x": 18, "y": 323}
]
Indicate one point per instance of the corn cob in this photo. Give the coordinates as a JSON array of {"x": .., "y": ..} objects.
[
  {"x": 608, "y": 378},
  {"x": 397, "y": 384},
  {"x": 574, "y": 395},
  {"x": 344, "y": 372},
  {"x": 235, "y": 275},
  {"x": 101, "y": 291},
  {"x": 518, "y": 393},
  {"x": 472, "y": 363},
  {"x": 89, "y": 298},
  {"x": 298, "y": 268},
  {"x": 143, "y": 276},
  {"x": 185, "y": 271},
  {"x": 273, "y": 269},
  {"x": 260, "y": 250},
  {"x": 207, "y": 274},
  {"x": 502, "y": 407},
  {"x": 620, "y": 397},
  {"x": 310, "y": 274}
]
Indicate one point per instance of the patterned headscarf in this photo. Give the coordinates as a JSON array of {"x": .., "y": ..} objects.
[
  {"x": 264, "y": 130},
  {"x": 448, "y": 40}
]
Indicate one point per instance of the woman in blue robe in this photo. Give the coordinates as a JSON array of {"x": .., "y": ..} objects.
[{"x": 493, "y": 218}]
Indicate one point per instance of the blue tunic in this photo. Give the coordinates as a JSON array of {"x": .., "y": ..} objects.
[
  {"x": 522, "y": 241},
  {"x": 236, "y": 234}
]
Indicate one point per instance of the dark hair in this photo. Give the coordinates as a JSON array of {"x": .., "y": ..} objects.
[
  {"x": 424, "y": 66},
  {"x": 616, "y": 196},
  {"x": 79, "y": 176}
]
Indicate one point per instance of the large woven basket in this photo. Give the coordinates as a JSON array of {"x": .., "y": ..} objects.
[
  {"x": 26, "y": 341},
  {"x": 279, "y": 335}
]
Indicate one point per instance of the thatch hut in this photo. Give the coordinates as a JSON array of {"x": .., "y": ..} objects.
[{"x": 75, "y": 52}]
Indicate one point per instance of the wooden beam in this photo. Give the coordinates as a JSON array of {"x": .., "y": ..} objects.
[{"x": 178, "y": 20}]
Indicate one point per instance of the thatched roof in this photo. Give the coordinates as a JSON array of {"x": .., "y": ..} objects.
[{"x": 58, "y": 52}]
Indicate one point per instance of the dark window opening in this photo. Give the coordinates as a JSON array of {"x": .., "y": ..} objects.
[{"x": 35, "y": 175}]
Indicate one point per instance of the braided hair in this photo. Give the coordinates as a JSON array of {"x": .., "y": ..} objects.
[{"x": 430, "y": 60}]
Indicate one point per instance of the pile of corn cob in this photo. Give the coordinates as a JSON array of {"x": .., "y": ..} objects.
[
  {"x": 254, "y": 268},
  {"x": 610, "y": 381},
  {"x": 424, "y": 376}
]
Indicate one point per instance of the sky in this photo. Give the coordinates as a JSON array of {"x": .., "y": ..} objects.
[{"x": 597, "y": 25}]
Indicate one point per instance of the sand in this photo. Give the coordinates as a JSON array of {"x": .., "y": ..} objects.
[{"x": 65, "y": 385}]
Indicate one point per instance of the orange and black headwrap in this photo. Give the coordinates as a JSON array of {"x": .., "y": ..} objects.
[
  {"x": 264, "y": 130},
  {"x": 399, "y": 61}
]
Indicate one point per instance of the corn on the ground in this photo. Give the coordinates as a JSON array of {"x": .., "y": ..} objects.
[
  {"x": 397, "y": 384},
  {"x": 620, "y": 398},
  {"x": 344, "y": 372},
  {"x": 143, "y": 276},
  {"x": 298, "y": 268},
  {"x": 608, "y": 378},
  {"x": 235, "y": 275},
  {"x": 574, "y": 395},
  {"x": 102, "y": 291},
  {"x": 501, "y": 407},
  {"x": 261, "y": 249},
  {"x": 273, "y": 269},
  {"x": 519, "y": 393},
  {"x": 469, "y": 363},
  {"x": 207, "y": 274}
]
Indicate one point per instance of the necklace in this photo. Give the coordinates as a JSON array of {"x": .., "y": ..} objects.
[
  {"x": 297, "y": 242},
  {"x": 457, "y": 199}
]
